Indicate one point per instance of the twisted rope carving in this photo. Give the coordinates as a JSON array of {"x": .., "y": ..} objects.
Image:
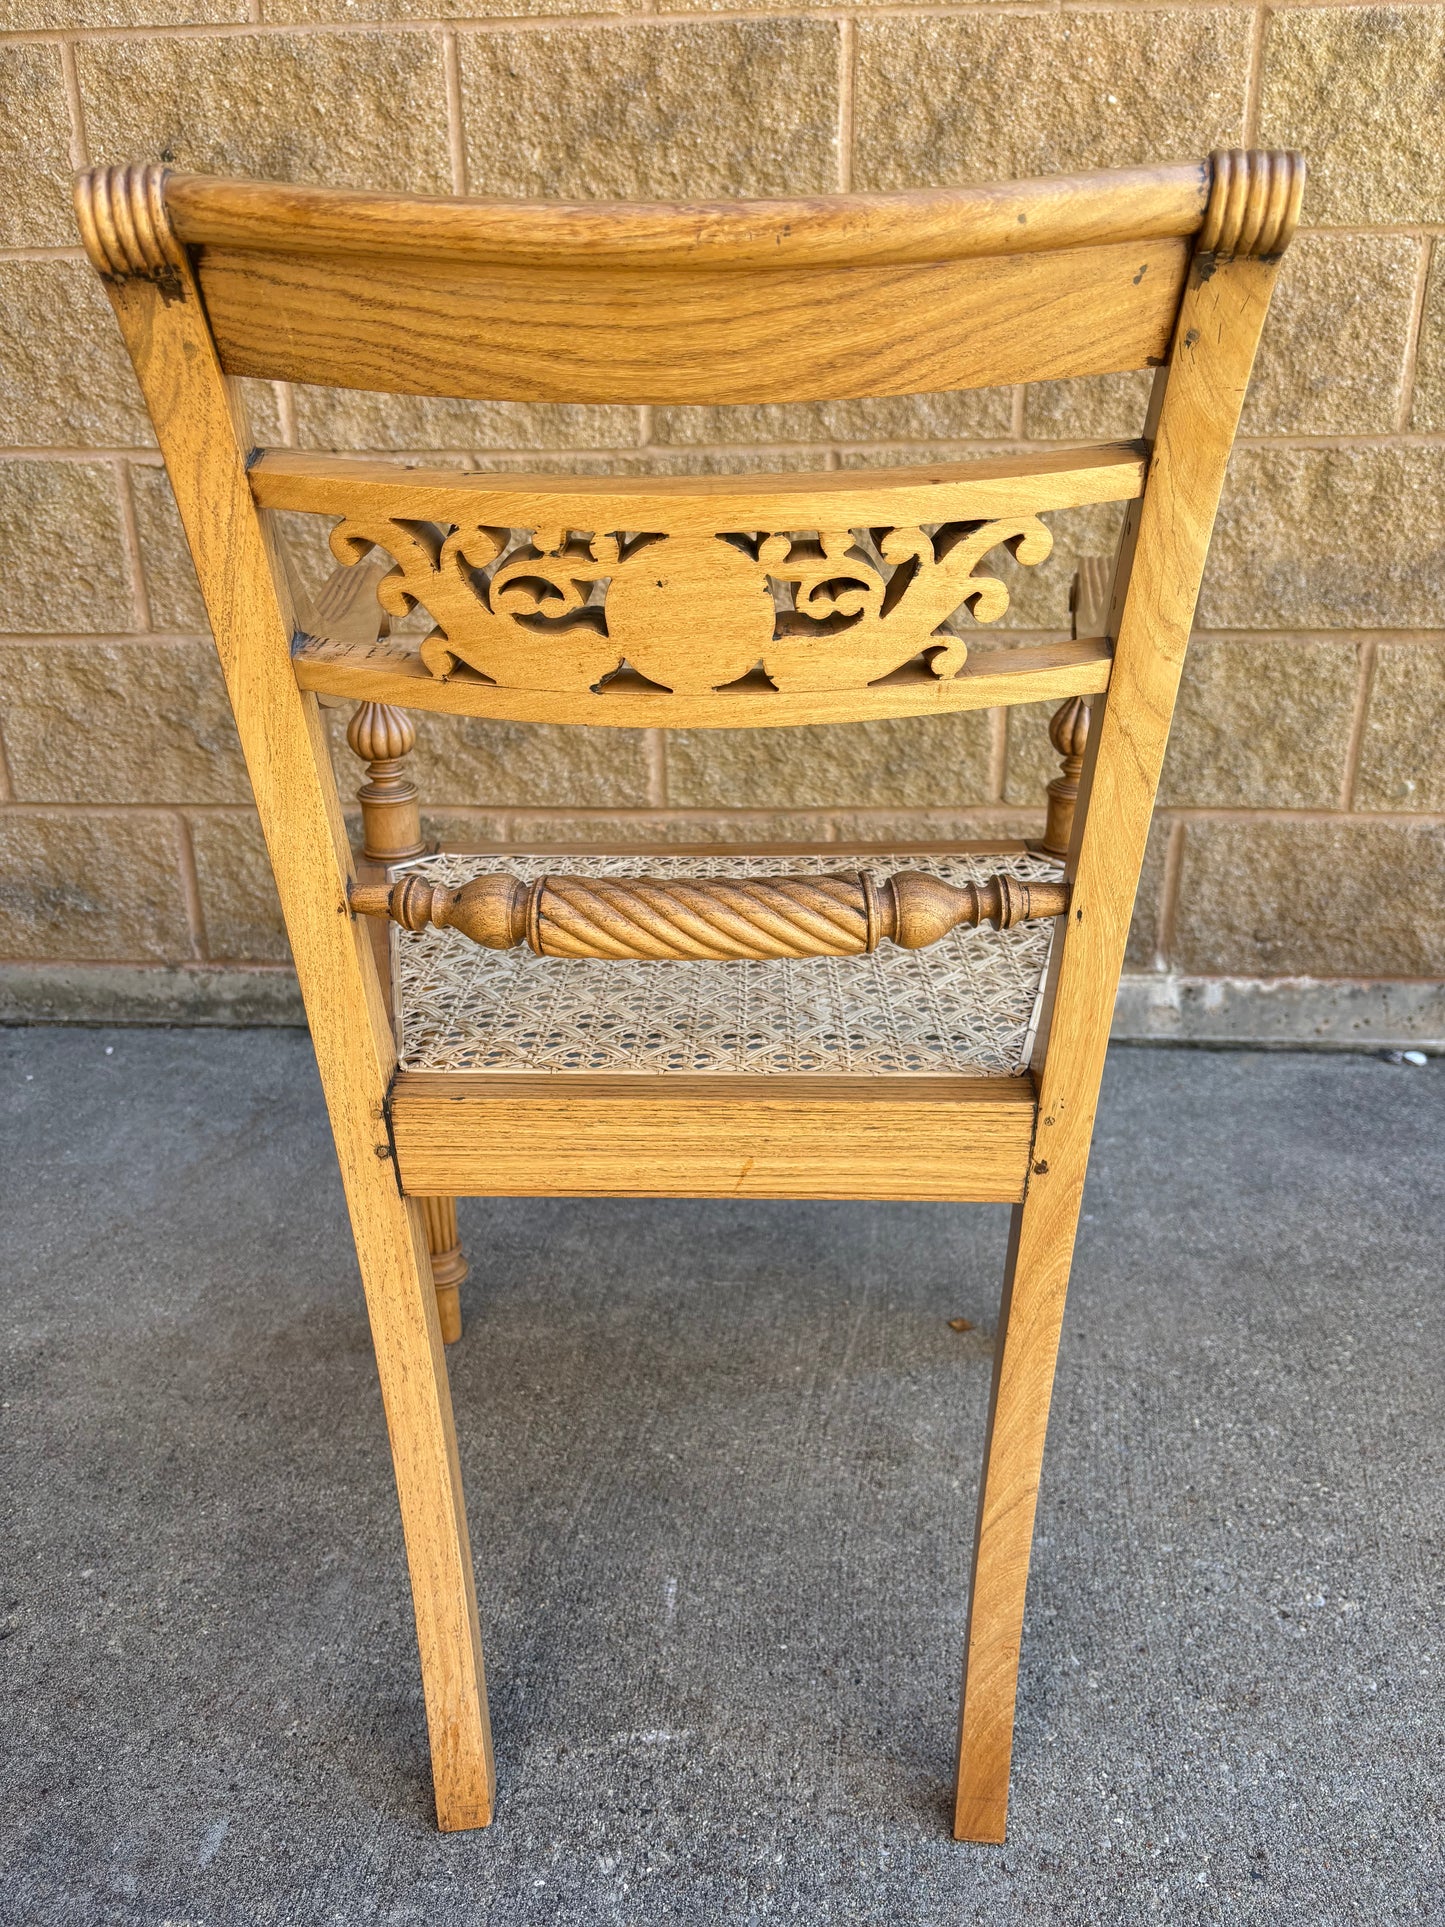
[
  {"x": 715, "y": 919},
  {"x": 690, "y": 918}
]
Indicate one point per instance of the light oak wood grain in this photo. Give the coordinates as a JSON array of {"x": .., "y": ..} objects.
[
  {"x": 809, "y": 300},
  {"x": 980, "y": 490},
  {"x": 931, "y": 224},
  {"x": 1192, "y": 422},
  {"x": 201, "y": 429},
  {"x": 483, "y": 1135},
  {"x": 846, "y": 913},
  {"x": 805, "y": 585},
  {"x": 625, "y": 334},
  {"x": 448, "y": 1263},
  {"x": 392, "y": 671}
]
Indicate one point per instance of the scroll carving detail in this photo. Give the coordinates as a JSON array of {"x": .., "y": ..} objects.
[{"x": 691, "y": 612}]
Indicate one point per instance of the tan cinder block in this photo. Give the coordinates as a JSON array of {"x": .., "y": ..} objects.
[
  {"x": 360, "y": 109},
  {"x": 1332, "y": 361},
  {"x": 1099, "y": 408},
  {"x": 349, "y": 418},
  {"x": 263, "y": 412},
  {"x": 658, "y": 112},
  {"x": 1262, "y": 724},
  {"x": 67, "y": 569},
  {"x": 912, "y": 762},
  {"x": 1146, "y": 929},
  {"x": 736, "y": 6},
  {"x": 240, "y": 912},
  {"x": 119, "y": 722},
  {"x": 1032, "y": 761},
  {"x": 1310, "y": 899},
  {"x": 1329, "y": 538},
  {"x": 1039, "y": 595},
  {"x": 1361, "y": 90},
  {"x": 954, "y": 99},
  {"x": 304, "y": 540},
  {"x": 171, "y": 585},
  {"x": 355, "y": 12},
  {"x": 747, "y": 829},
  {"x": 469, "y": 761},
  {"x": 894, "y": 829},
  {"x": 455, "y": 829},
  {"x": 983, "y": 413},
  {"x": 1429, "y": 404},
  {"x": 34, "y": 15},
  {"x": 34, "y": 150},
  {"x": 1402, "y": 754},
  {"x": 83, "y": 888},
  {"x": 645, "y": 461},
  {"x": 65, "y": 378}
]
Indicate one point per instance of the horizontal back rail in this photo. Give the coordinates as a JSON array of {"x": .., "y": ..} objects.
[
  {"x": 390, "y": 670},
  {"x": 702, "y": 334},
  {"x": 1056, "y": 478},
  {"x": 773, "y": 301},
  {"x": 847, "y": 230}
]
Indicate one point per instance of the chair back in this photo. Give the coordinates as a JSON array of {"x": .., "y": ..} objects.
[{"x": 715, "y": 602}]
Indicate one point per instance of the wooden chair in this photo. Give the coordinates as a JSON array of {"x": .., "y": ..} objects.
[{"x": 729, "y": 602}]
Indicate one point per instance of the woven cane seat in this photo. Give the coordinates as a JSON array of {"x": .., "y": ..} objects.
[{"x": 967, "y": 1005}]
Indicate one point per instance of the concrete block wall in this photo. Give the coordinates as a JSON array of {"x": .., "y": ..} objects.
[{"x": 1293, "y": 888}]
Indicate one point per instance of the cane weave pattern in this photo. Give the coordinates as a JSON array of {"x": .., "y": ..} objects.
[{"x": 966, "y": 1005}]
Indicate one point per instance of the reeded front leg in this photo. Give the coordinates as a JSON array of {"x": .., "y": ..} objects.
[{"x": 448, "y": 1262}]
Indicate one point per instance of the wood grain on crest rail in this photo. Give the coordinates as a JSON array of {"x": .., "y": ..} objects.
[
  {"x": 783, "y": 301},
  {"x": 928, "y": 224}
]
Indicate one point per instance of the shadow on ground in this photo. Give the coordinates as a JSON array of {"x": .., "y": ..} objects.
[{"x": 721, "y": 1462}]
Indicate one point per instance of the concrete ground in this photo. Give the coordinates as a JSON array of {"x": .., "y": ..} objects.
[{"x": 721, "y": 1462}]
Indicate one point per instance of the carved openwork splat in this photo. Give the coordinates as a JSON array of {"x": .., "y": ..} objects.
[{"x": 691, "y": 611}]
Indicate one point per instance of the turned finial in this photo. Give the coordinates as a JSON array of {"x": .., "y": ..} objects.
[
  {"x": 380, "y": 734},
  {"x": 1069, "y": 734},
  {"x": 390, "y": 813},
  {"x": 1069, "y": 726}
]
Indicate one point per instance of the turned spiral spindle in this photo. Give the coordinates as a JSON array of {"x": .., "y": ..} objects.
[
  {"x": 383, "y": 738},
  {"x": 696, "y": 919}
]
